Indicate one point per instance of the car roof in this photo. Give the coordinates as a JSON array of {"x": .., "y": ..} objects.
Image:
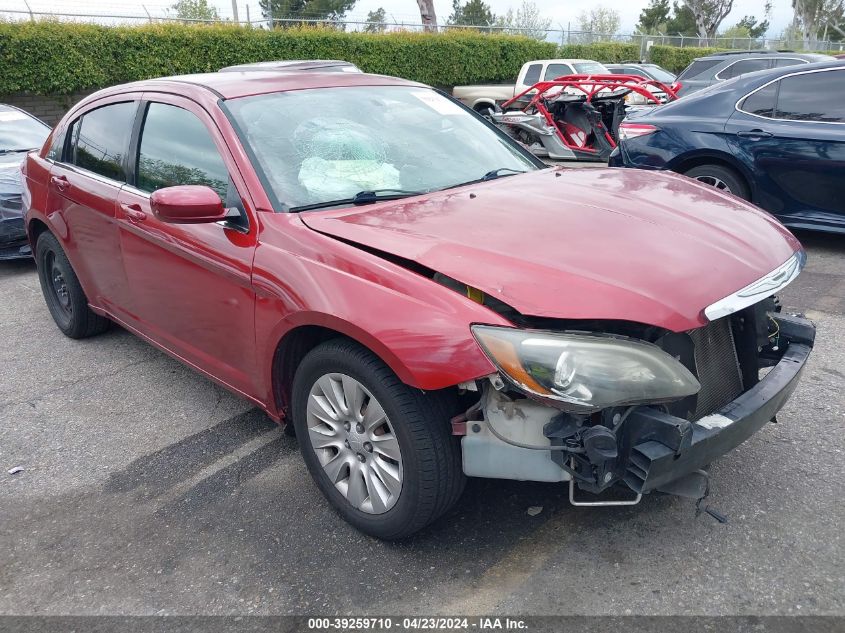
[
  {"x": 563, "y": 61},
  {"x": 295, "y": 64},
  {"x": 732, "y": 55},
  {"x": 231, "y": 85}
]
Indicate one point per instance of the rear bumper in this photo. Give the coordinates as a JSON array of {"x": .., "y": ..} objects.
[{"x": 662, "y": 448}]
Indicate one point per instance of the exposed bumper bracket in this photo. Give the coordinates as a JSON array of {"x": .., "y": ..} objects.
[{"x": 661, "y": 448}]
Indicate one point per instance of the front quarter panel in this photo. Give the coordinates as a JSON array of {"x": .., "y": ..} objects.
[{"x": 418, "y": 327}]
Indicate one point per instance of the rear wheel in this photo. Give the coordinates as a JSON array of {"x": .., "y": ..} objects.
[
  {"x": 65, "y": 298},
  {"x": 381, "y": 452},
  {"x": 720, "y": 177}
]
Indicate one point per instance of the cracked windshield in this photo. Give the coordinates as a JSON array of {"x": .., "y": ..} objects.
[{"x": 316, "y": 146}]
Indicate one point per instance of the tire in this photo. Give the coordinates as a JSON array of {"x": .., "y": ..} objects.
[
  {"x": 65, "y": 298},
  {"x": 430, "y": 477},
  {"x": 721, "y": 177},
  {"x": 485, "y": 109}
]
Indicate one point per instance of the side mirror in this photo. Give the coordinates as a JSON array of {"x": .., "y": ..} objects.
[{"x": 187, "y": 204}]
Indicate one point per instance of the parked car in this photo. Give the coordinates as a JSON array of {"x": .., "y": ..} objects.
[
  {"x": 484, "y": 98},
  {"x": 709, "y": 70},
  {"x": 19, "y": 133},
  {"x": 310, "y": 65},
  {"x": 648, "y": 71},
  {"x": 840, "y": 56},
  {"x": 366, "y": 259},
  {"x": 776, "y": 138}
]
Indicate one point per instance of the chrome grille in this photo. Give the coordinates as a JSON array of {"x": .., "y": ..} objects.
[{"x": 717, "y": 366}]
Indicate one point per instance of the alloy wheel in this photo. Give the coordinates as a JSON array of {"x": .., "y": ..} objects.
[
  {"x": 355, "y": 443},
  {"x": 713, "y": 181}
]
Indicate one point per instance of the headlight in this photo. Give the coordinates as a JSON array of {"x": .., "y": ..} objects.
[
  {"x": 586, "y": 372},
  {"x": 635, "y": 98}
]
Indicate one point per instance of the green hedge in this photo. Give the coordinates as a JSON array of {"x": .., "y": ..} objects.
[
  {"x": 605, "y": 52},
  {"x": 675, "y": 58},
  {"x": 52, "y": 58}
]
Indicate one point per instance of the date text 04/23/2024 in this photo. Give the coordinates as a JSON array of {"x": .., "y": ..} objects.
[{"x": 416, "y": 624}]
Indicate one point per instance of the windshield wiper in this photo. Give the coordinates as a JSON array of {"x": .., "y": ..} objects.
[
  {"x": 16, "y": 151},
  {"x": 498, "y": 173},
  {"x": 490, "y": 175},
  {"x": 362, "y": 197}
]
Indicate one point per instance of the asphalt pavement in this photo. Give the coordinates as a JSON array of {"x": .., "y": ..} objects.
[{"x": 146, "y": 489}]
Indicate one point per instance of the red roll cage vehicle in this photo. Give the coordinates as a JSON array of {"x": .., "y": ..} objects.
[{"x": 577, "y": 117}]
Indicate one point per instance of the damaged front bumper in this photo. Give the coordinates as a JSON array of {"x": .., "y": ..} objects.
[
  {"x": 659, "y": 448},
  {"x": 649, "y": 449}
]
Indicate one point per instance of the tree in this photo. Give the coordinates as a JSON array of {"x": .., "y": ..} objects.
[
  {"x": 814, "y": 17},
  {"x": 654, "y": 17},
  {"x": 471, "y": 13},
  {"x": 708, "y": 15},
  {"x": 600, "y": 20},
  {"x": 330, "y": 10},
  {"x": 195, "y": 10},
  {"x": 375, "y": 21},
  {"x": 682, "y": 21},
  {"x": 427, "y": 14},
  {"x": 755, "y": 29},
  {"x": 527, "y": 21}
]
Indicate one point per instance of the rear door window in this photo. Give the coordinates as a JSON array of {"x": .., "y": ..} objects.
[
  {"x": 557, "y": 70},
  {"x": 744, "y": 66},
  {"x": 698, "y": 68},
  {"x": 818, "y": 96},
  {"x": 532, "y": 75},
  {"x": 762, "y": 102},
  {"x": 101, "y": 139},
  {"x": 786, "y": 61}
]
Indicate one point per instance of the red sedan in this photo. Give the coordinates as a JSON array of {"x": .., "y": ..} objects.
[{"x": 365, "y": 258}]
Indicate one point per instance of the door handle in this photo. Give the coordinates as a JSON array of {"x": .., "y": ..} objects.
[
  {"x": 134, "y": 213},
  {"x": 61, "y": 183},
  {"x": 754, "y": 134}
]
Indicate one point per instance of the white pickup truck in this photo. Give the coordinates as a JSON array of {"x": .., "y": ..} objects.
[{"x": 484, "y": 97}]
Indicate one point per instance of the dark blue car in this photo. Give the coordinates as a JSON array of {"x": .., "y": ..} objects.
[{"x": 775, "y": 137}]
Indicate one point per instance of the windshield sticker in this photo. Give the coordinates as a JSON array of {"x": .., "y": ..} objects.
[{"x": 437, "y": 103}]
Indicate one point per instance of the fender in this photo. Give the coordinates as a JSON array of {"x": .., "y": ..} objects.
[{"x": 418, "y": 327}]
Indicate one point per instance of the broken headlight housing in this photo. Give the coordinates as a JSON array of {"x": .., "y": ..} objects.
[{"x": 585, "y": 372}]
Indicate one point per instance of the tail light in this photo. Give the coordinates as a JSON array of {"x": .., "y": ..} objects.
[{"x": 627, "y": 131}]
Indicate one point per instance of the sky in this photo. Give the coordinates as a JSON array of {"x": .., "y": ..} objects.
[{"x": 562, "y": 12}]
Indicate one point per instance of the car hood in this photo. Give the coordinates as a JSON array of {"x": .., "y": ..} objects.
[{"x": 580, "y": 243}]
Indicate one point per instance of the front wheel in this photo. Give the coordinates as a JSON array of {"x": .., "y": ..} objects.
[
  {"x": 720, "y": 177},
  {"x": 381, "y": 452}
]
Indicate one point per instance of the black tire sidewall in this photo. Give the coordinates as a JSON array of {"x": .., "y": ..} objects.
[
  {"x": 337, "y": 359},
  {"x": 45, "y": 245}
]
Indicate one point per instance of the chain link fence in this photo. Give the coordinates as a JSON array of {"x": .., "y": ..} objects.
[{"x": 248, "y": 13}]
